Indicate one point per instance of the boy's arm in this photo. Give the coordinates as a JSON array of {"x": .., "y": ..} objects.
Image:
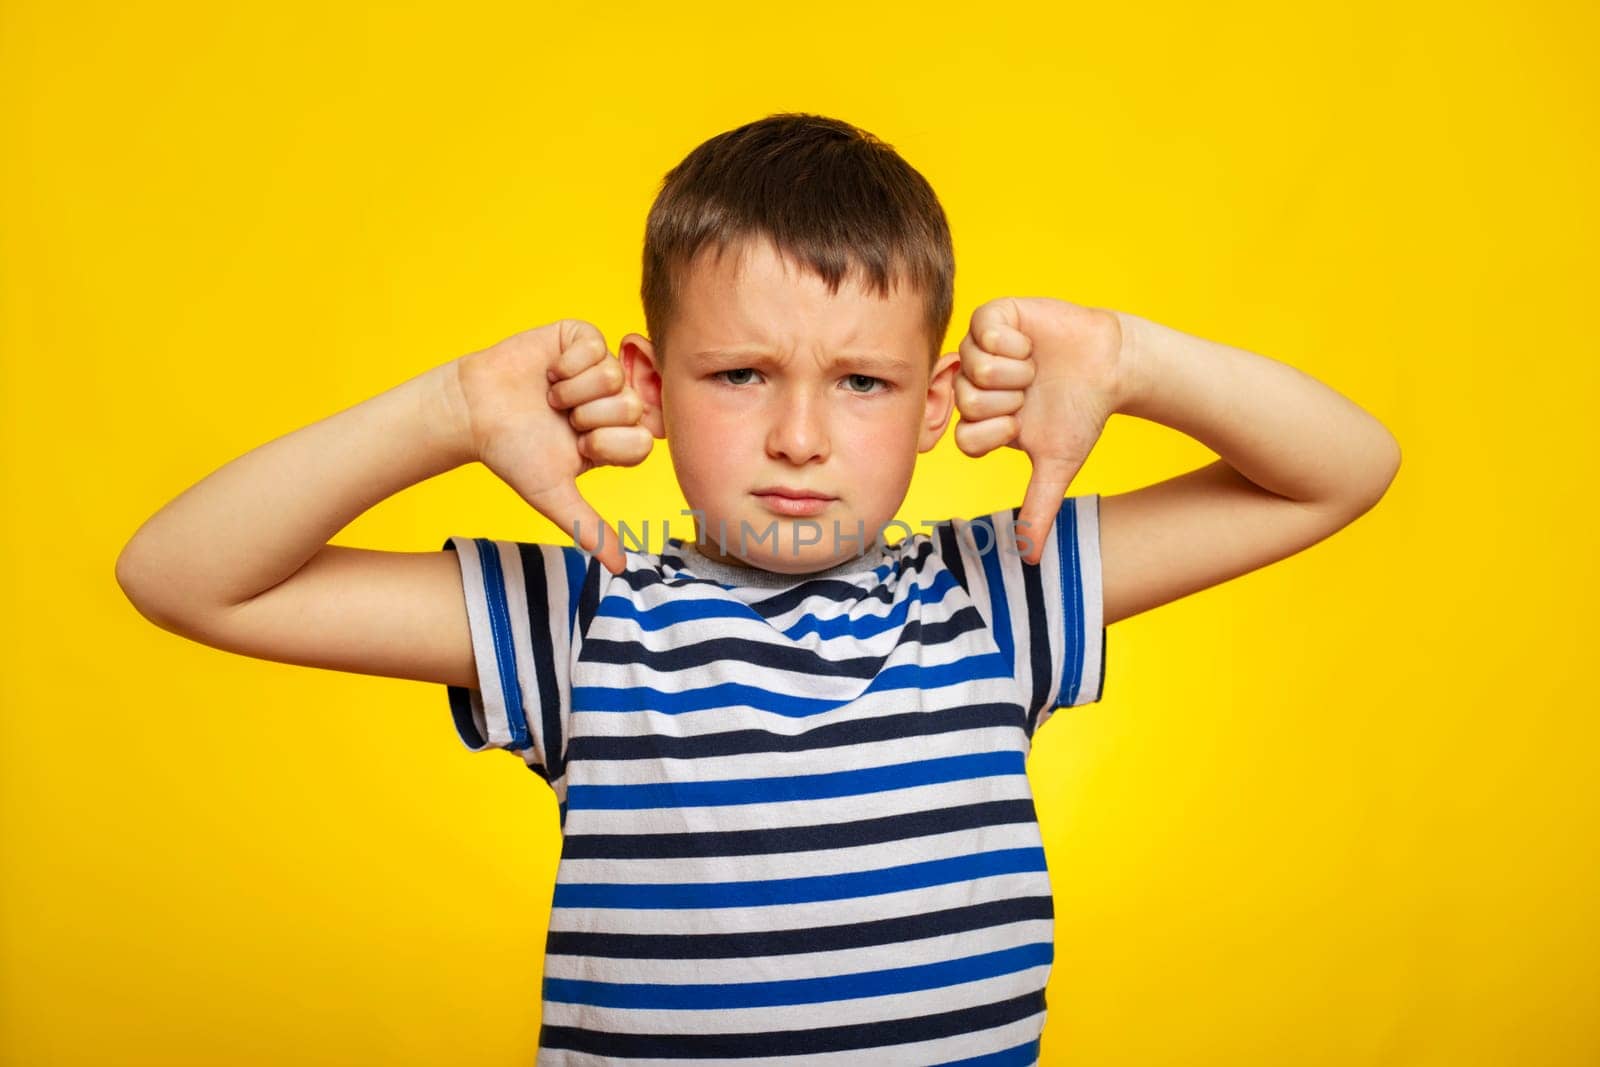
[
  {"x": 1299, "y": 461},
  {"x": 240, "y": 561}
]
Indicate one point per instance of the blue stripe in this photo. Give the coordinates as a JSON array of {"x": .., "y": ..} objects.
[
  {"x": 780, "y": 789},
  {"x": 723, "y": 996},
  {"x": 670, "y": 613},
  {"x": 1071, "y": 601},
  {"x": 505, "y": 655},
  {"x": 804, "y": 889},
  {"x": 871, "y": 625},
  {"x": 1024, "y": 1055},
  {"x": 577, "y": 570},
  {"x": 726, "y": 694},
  {"x": 673, "y": 612}
]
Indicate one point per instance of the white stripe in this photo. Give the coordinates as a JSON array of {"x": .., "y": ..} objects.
[
  {"x": 800, "y": 915},
  {"x": 1054, "y": 620},
  {"x": 488, "y": 700},
  {"x": 715, "y": 720},
  {"x": 809, "y": 684},
  {"x": 558, "y": 624},
  {"x": 617, "y": 628},
  {"x": 707, "y": 819},
  {"x": 700, "y": 870},
  {"x": 517, "y": 606},
  {"x": 779, "y": 766},
  {"x": 1022, "y": 620}
]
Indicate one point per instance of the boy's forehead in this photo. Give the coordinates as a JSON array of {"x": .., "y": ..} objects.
[{"x": 751, "y": 298}]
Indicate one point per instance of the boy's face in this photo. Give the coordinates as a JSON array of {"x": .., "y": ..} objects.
[{"x": 773, "y": 384}]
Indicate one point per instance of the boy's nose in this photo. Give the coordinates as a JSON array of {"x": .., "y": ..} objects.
[{"x": 799, "y": 432}]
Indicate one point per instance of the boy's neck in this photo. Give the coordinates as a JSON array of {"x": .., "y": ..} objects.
[{"x": 708, "y": 561}]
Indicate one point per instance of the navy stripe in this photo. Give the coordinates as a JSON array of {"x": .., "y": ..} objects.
[
  {"x": 691, "y": 654},
  {"x": 461, "y": 715},
  {"x": 820, "y": 590},
  {"x": 848, "y": 591},
  {"x": 588, "y": 599},
  {"x": 743, "y": 945},
  {"x": 950, "y": 553},
  {"x": 694, "y": 652},
  {"x": 905, "y": 676},
  {"x": 800, "y": 1042},
  {"x": 904, "y": 726},
  {"x": 1100, "y": 686},
  {"x": 541, "y": 600},
  {"x": 1039, "y": 657},
  {"x": 640, "y": 580}
]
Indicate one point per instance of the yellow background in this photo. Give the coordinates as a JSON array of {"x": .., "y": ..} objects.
[{"x": 1338, "y": 811}]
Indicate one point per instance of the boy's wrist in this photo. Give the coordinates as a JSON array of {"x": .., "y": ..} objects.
[
  {"x": 1134, "y": 373},
  {"x": 446, "y": 416}
]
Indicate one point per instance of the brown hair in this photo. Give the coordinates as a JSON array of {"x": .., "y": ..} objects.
[{"x": 827, "y": 194}]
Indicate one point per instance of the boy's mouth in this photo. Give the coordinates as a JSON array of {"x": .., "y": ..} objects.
[{"x": 789, "y": 500}]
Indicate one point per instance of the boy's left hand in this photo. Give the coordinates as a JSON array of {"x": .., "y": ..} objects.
[{"x": 1043, "y": 376}]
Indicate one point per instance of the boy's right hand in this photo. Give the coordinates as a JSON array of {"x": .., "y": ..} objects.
[{"x": 542, "y": 407}]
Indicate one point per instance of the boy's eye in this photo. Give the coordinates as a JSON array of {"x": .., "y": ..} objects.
[{"x": 859, "y": 383}]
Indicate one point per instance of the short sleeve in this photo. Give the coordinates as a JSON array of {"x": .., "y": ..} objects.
[
  {"x": 1047, "y": 618},
  {"x": 522, "y": 605}
]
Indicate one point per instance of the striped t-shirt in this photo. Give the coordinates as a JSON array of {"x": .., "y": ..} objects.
[{"x": 796, "y": 823}]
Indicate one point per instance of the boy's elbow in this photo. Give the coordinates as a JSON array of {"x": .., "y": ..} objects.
[
  {"x": 1373, "y": 469},
  {"x": 132, "y": 567},
  {"x": 127, "y": 573},
  {"x": 1391, "y": 466},
  {"x": 140, "y": 584},
  {"x": 1384, "y": 471}
]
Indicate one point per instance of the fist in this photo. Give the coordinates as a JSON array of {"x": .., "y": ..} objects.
[
  {"x": 1042, "y": 376},
  {"x": 544, "y": 406}
]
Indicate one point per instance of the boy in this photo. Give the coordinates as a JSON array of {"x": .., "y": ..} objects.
[{"x": 789, "y": 757}]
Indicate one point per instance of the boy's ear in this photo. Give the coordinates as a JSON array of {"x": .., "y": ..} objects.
[
  {"x": 941, "y": 400},
  {"x": 638, "y": 358}
]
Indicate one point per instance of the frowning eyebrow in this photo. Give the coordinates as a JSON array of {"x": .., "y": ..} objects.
[{"x": 879, "y": 361}]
